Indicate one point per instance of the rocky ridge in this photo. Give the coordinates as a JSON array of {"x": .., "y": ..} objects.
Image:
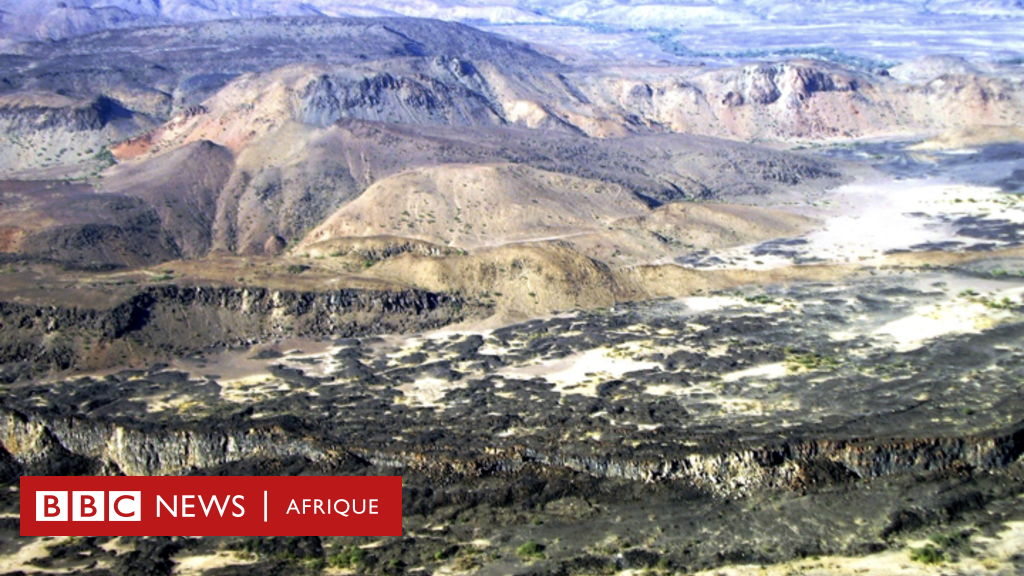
[{"x": 171, "y": 320}]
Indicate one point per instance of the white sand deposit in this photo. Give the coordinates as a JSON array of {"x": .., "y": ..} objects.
[
  {"x": 864, "y": 220},
  {"x": 582, "y": 372},
  {"x": 962, "y": 314}
]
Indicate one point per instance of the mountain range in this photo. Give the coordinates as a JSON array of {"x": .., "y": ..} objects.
[
  {"x": 260, "y": 136},
  {"x": 609, "y": 28}
]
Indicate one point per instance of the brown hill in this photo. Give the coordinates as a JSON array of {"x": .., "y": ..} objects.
[
  {"x": 288, "y": 182},
  {"x": 470, "y": 206},
  {"x": 183, "y": 186},
  {"x": 479, "y": 206},
  {"x": 71, "y": 225}
]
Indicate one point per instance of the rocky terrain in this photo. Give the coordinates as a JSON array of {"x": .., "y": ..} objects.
[
  {"x": 691, "y": 308},
  {"x": 268, "y": 146},
  {"x": 613, "y": 440}
]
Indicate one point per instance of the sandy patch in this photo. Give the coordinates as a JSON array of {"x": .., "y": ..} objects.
[
  {"x": 582, "y": 372},
  {"x": 768, "y": 371},
  {"x": 1009, "y": 543},
  {"x": 491, "y": 348},
  {"x": 711, "y": 303},
  {"x": 842, "y": 335},
  {"x": 865, "y": 220},
  {"x": 197, "y": 565},
  {"x": 427, "y": 392},
  {"x": 251, "y": 388},
  {"x": 35, "y": 550},
  {"x": 992, "y": 560},
  {"x": 961, "y": 315},
  {"x": 118, "y": 546},
  {"x": 518, "y": 431}
]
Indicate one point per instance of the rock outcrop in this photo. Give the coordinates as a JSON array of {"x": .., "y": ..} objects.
[
  {"x": 40, "y": 443},
  {"x": 165, "y": 321}
]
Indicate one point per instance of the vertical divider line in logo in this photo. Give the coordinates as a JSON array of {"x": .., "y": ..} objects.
[{"x": 264, "y": 506}]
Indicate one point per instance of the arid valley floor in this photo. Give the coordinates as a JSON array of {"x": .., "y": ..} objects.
[{"x": 719, "y": 312}]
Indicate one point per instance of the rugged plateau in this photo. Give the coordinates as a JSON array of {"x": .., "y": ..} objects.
[{"x": 716, "y": 311}]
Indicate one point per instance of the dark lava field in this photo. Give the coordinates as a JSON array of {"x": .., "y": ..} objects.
[{"x": 744, "y": 427}]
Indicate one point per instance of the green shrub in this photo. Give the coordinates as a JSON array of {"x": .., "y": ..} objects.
[
  {"x": 530, "y": 550},
  {"x": 760, "y": 299},
  {"x": 927, "y": 555},
  {"x": 349, "y": 556},
  {"x": 105, "y": 158},
  {"x": 809, "y": 360},
  {"x": 1004, "y": 304},
  {"x": 948, "y": 540}
]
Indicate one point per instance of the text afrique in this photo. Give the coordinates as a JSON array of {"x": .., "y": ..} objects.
[{"x": 340, "y": 507}]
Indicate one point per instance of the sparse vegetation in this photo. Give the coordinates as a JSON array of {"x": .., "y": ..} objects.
[
  {"x": 761, "y": 299},
  {"x": 164, "y": 276},
  {"x": 797, "y": 360},
  {"x": 1003, "y": 304},
  {"x": 348, "y": 557},
  {"x": 104, "y": 158},
  {"x": 927, "y": 554},
  {"x": 530, "y": 550},
  {"x": 949, "y": 540},
  {"x": 999, "y": 273}
]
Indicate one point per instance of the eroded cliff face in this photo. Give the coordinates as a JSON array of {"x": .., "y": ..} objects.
[
  {"x": 47, "y": 442},
  {"x": 160, "y": 322},
  {"x": 49, "y": 445},
  {"x": 798, "y": 465},
  {"x": 398, "y": 98},
  {"x": 76, "y": 117},
  {"x": 645, "y": 407},
  {"x": 790, "y": 500},
  {"x": 767, "y": 83},
  {"x": 805, "y": 100}
]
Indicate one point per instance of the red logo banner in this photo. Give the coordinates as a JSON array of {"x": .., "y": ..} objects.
[{"x": 211, "y": 506}]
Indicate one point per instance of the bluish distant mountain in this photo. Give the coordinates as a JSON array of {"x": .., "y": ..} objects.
[{"x": 53, "y": 19}]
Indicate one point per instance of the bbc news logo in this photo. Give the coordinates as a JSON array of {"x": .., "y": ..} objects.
[
  {"x": 211, "y": 506},
  {"x": 88, "y": 506}
]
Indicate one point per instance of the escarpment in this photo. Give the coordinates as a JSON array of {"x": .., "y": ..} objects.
[
  {"x": 162, "y": 321},
  {"x": 73, "y": 117},
  {"x": 394, "y": 98},
  {"x": 43, "y": 446},
  {"x": 41, "y": 441},
  {"x": 767, "y": 83}
]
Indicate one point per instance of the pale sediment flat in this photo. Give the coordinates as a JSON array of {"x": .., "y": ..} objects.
[{"x": 865, "y": 222}]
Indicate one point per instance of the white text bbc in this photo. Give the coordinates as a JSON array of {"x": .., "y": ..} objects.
[{"x": 88, "y": 506}]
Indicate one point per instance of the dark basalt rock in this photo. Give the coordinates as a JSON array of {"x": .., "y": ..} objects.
[
  {"x": 180, "y": 320},
  {"x": 859, "y": 449}
]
